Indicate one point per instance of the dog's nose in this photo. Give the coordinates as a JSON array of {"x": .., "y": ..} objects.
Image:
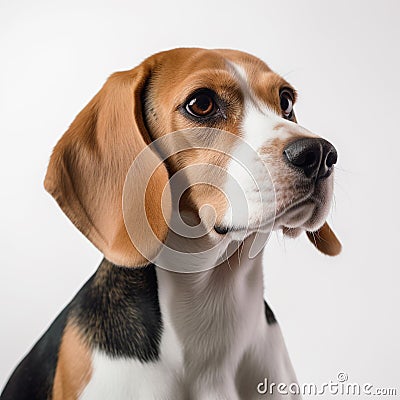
[{"x": 315, "y": 157}]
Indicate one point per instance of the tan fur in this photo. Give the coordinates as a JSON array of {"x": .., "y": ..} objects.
[
  {"x": 74, "y": 367},
  {"x": 89, "y": 164},
  {"x": 325, "y": 240}
]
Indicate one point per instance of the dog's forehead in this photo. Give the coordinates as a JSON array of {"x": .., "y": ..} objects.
[
  {"x": 185, "y": 60},
  {"x": 192, "y": 66}
]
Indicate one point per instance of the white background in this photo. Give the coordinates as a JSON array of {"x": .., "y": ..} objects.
[{"x": 337, "y": 314}]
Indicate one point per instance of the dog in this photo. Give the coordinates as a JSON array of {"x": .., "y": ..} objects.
[{"x": 182, "y": 322}]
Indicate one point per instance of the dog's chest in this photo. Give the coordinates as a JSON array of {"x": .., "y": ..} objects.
[
  {"x": 208, "y": 322},
  {"x": 127, "y": 379}
]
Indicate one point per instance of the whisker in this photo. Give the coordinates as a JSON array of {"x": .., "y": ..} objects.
[{"x": 227, "y": 259}]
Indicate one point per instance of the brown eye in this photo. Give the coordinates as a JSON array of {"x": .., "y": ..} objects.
[
  {"x": 286, "y": 102},
  {"x": 201, "y": 105}
]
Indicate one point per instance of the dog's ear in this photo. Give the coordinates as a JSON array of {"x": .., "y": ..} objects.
[
  {"x": 89, "y": 164},
  {"x": 325, "y": 240}
]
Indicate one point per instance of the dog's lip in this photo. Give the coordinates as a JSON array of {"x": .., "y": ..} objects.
[
  {"x": 222, "y": 230},
  {"x": 262, "y": 225}
]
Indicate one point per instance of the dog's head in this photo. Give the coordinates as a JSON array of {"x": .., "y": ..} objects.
[{"x": 231, "y": 112}]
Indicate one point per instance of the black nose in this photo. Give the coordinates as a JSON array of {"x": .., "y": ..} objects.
[{"x": 315, "y": 157}]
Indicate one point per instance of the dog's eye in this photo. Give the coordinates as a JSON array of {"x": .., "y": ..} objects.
[
  {"x": 201, "y": 105},
  {"x": 286, "y": 101}
]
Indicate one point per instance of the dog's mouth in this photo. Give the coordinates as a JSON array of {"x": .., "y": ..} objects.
[
  {"x": 305, "y": 213},
  {"x": 290, "y": 218}
]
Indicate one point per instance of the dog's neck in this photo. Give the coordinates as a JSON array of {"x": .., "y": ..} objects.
[
  {"x": 225, "y": 293},
  {"x": 231, "y": 272},
  {"x": 199, "y": 326},
  {"x": 218, "y": 296},
  {"x": 213, "y": 315}
]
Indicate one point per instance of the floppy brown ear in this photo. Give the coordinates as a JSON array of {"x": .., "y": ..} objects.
[
  {"x": 89, "y": 164},
  {"x": 325, "y": 240}
]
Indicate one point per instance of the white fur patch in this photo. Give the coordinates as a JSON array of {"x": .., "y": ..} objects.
[
  {"x": 129, "y": 379},
  {"x": 246, "y": 168},
  {"x": 256, "y": 201}
]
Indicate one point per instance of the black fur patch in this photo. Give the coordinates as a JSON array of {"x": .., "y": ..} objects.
[
  {"x": 118, "y": 312},
  {"x": 269, "y": 314}
]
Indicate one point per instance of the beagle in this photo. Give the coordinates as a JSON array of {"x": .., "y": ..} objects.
[{"x": 163, "y": 317}]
